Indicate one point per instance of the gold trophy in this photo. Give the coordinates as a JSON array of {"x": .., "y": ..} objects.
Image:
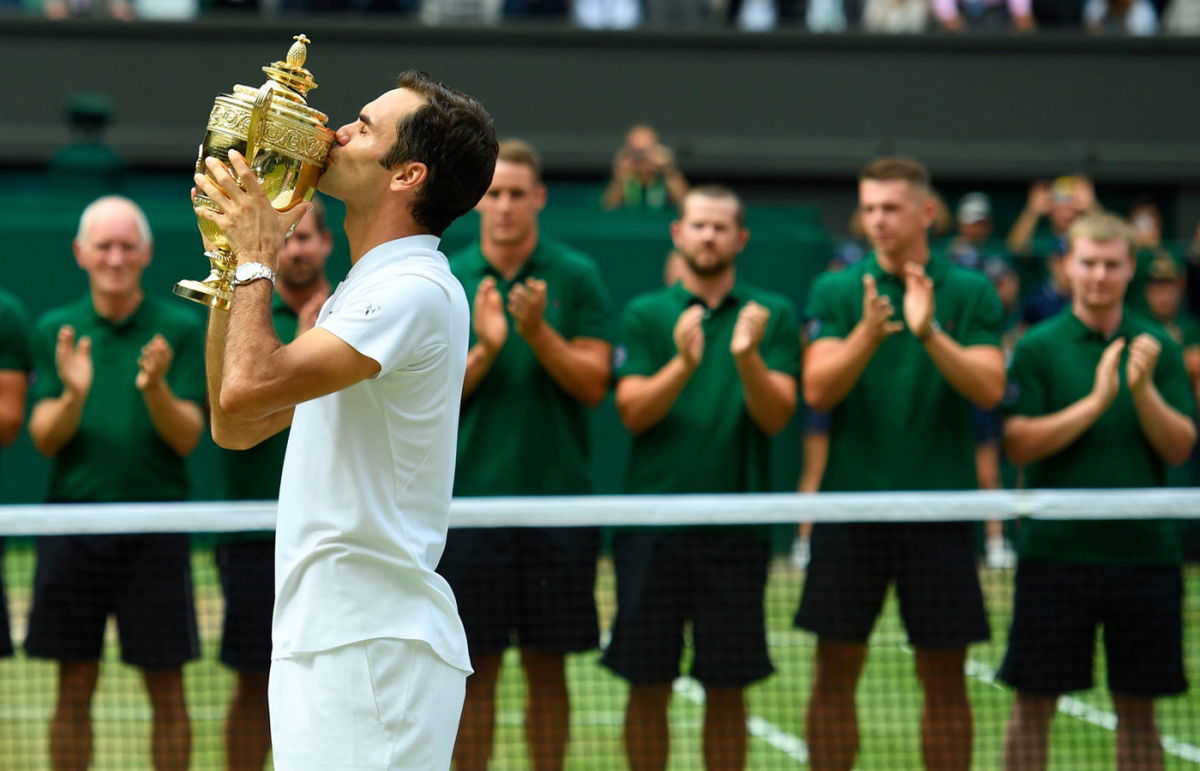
[{"x": 285, "y": 142}]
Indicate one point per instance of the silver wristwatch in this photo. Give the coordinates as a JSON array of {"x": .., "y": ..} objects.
[{"x": 252, "y": 271}]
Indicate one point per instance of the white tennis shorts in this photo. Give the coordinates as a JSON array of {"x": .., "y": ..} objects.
[{"x": 377, "y": 704}]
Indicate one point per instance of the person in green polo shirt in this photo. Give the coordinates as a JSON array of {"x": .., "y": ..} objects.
[
  {"x": 540, "y": 356},
  {"x": 902, "y": 345},
  {"x": 15, "y": 364},
  {"x": 1098, "y": 398},
  {"x": 246, "y": 561},
  {"x": 706, "y": 373},
  {"x": 118, "y": 405}
]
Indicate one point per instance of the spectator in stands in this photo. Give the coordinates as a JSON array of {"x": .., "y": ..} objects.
[
  {"x": 246, "y": 561},
  {"x": 1039, "y": 233},
  {"x": 706, "y": 373},
  {"x": 117, "y": 407},
  {"x": 972, "y": 244},
  {"x": 895, "y": 16},
  {"x": 15, "y": 364},
  {"x": 644, "y": 174},
  {"x": 985, "y": 15},
  {"x": 1120, "y": 17},
  {"x": 540, "y": 356},
  {"x": 883, "y": 378},
  {"x": 1164, "y": 303},
  {"x": 1146, "y": 219},
  {"x": 68, "y": 9},
  {"x": 1099, "y": 399}
]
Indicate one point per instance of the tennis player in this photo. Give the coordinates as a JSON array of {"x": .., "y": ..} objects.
[{"x": 369, "y": 657}]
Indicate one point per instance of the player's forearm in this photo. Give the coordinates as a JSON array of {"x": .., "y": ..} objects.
[
  {"x": 832, "y": 367},
  {"x": 1168, "y": 431},
  {"x": 230, "y": 431},
  {"x": 1031, "y": 439},
  {"x": 248, "y": 373},
  {"x": 976, "y": 372},
  {"x": 479, "y": 363},
  {"x": 13, "y": 387},
  {"x": 642, "y": 402},
  {"x": 770, "y": 396},
  {"x": 55, "y": 422},
  {"x": 178, "y": 421},
  {"x": 582, "y": 368}
]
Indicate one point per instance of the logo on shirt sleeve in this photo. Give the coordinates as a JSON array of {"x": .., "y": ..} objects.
[
  {"x": 620, "y": 355},
  {"x": 371, "y": 309},
  {"x": 812, "y": 328}
]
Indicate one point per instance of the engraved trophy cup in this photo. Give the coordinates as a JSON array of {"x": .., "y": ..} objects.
[{"x": 285, "y": 142}]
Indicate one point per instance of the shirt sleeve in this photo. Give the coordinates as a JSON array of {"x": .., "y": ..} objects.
[
  {"x": 984, "y": 322},
  {"x": 822, "y": 317},
  {"x": 634, "y": 352},
  {"x": 1025, "y": 392},
  {"x": 593, "y": 311},
  {"x": 393, "y": 320},
  {"x": 782, "y": 349},
  {"x": 14, "y": 338},
  {"x": 186, "y": 376}
]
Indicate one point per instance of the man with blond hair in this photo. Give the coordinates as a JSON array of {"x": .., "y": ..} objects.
[
  {"x": 902, "y": 344},
  {"x": 539, "y": 358},
  {"x": 1098, "y": 398}
]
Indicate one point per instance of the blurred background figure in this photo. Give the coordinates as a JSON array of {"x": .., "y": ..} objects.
[
  {"x": 86, "y": 164},
  {"x": 985, "y": 15},
  {"x": 1120, "y": 17},
  {"x": 68, "y": 9},
  {"x": 644, "y": 174},
  {"x": 972, "y": 243},
  {"x": 895, "y": 16}
]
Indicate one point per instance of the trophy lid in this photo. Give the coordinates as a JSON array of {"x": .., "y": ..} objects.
[{"x": 291, "y": 73}]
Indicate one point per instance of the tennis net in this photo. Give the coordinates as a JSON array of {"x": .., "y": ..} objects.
[{"x": 889, "y": 696}]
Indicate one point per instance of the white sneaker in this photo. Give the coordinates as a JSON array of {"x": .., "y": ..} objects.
[
  {"x": 800, "y": 554},
  {"x": 1000, "y": 555}
]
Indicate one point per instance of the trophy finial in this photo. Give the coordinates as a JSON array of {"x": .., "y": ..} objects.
[
  {"x": 290, "y": 72},
  {"x": 299, "y": 51}
]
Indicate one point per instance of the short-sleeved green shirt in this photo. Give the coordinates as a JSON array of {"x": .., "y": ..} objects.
[
  {"x": 1053, "y": 367},
  {"x": 14, "y": 335},
  {"x": 116, "y": 455},
  {"x": 902, "y": 426},
  {"x": 707, "y": 442},
  {"x": 520, "y": 433},
  {"x": 253, "y": 474}
]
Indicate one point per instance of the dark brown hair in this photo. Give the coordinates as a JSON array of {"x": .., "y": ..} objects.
[{"x": 452, "y": 134}]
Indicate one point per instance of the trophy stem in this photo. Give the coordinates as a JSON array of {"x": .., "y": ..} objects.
[{"x": 216, "y": 291}]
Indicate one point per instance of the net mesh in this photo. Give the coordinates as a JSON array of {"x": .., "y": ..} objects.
[{"x": 889, "y": 697}]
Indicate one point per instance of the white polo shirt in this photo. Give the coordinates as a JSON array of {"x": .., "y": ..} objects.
[{"x": 365, "y": 495}]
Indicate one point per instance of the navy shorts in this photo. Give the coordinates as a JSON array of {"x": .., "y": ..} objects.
[
  {"x": 932, "y": 564},
  {"x": 6, "y": 646},
  {"x": 714, "y": 578},
  {"x": 247, "y": 570},
  {"x": 146, "y": 580},
  {"x": 1057, "y": 609},
  {"x": 529, "y": 587}
]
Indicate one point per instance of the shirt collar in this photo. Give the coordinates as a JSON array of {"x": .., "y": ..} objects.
[
  {"x": 936, "y": 268},
  {"x": 1081, "y": 331},
  {"x": 535, "y": 260},
  {"x": 117, "y": 326},
  {"x": 389, "y": 251},
  {"x": 737, "y": 295}
]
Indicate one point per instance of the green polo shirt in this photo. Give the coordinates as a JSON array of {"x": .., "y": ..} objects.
[
  {"x": 253, "y": 474},
  {"x": 520, "y": 433},
  {"x": 902, "y": 426},
  {"x": 707, "y": 442},
  {"x": 1053, "y": 367},
  {"x": 14, "y": 335},
  {"x": 116, "y": 455}
]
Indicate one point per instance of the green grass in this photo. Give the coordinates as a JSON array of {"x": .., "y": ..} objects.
[{"x": 889, "y": 700}]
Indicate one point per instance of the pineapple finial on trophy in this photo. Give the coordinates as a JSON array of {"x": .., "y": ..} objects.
[{"x": 299, "y": 51}]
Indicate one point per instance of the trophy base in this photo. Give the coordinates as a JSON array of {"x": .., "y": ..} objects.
[{"x": 198, "y": 291}]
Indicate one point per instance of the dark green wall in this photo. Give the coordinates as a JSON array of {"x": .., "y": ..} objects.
[{"x": 38, "y": 221}]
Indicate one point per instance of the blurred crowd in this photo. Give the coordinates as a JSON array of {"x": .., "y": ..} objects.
[{"x": 1098, "y": 17}]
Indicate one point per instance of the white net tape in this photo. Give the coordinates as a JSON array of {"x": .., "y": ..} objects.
[{"x": 604, "y": 510}]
